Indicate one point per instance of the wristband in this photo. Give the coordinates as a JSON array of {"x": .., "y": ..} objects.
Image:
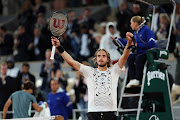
[{"x": 60, "y": 49}]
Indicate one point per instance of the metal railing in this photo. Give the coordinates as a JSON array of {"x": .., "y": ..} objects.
[{"x": 85, "y": 110}]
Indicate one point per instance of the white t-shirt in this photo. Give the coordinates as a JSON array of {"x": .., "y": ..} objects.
[{"x": 102, "y": 87}]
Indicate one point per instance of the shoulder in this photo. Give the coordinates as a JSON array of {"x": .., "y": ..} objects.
[
  {"x": 62, "y": 94},
  {"x": 85, "y": 67},
  {"x": 146, "y": 28},
  {"x": 116, "y": 68},
  {"x": 15, "y": 93}
]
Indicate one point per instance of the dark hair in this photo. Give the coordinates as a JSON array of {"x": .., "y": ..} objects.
[
  {"x": 108, "y": 56},
  {"x": 25, "y": 64},
  {"x": 83, "y": 26},
  {"x": 3, "y": 28},
  {"x": 111, "y": 26},
  {"x": 55, "y": 79},
  {"x": 29, "y": 85}
]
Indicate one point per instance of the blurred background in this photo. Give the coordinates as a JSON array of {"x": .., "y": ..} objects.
[{"x": 25, "y": 43}]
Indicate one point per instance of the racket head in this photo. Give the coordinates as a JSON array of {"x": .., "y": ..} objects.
[{"x": 58, "y": 23}]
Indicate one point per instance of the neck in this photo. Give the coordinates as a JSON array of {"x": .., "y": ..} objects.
[
  {"x": 102, "y": 68},
  {"x": 53, "y": 92},
  {"x": 3, "y": 75},
  {"x": 27, "y": 91}
]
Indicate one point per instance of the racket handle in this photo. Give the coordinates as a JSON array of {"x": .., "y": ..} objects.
[{"x": 53, "y": 52}]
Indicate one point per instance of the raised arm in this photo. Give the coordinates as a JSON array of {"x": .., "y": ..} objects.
[
  {"x": 75, "y": 64},
  {"x": 126, "y": 51}
]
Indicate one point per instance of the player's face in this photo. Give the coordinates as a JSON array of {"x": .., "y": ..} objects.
[{"x": 102, "y": 58}]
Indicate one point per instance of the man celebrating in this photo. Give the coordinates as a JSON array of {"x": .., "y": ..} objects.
[{"x": 101, "y": 81}]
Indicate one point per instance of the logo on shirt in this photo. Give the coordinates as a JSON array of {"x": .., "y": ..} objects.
[{"x": 103, "y": 88}]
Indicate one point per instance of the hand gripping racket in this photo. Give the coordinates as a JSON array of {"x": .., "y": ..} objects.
[{"x": 57, "y": 25}]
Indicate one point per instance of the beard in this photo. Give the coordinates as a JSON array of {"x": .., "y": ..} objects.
[{"x": 102, "y": 65}]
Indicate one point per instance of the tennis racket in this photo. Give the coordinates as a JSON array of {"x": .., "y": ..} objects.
[{"x": 57, "y": 25}]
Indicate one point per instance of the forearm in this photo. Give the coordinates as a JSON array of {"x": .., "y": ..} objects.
[
  {"x": 126, "y": 51},
  {"x": 37, "y": 107},
  {"x": 5, "y": 112},
  {"x": 124, "y": 56},
  {"x": 76, "y": 65},
  {"x": 70, "y": 60}
]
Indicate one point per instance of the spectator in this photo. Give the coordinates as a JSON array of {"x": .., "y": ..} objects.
[
  {"x": 163, "y": 31},
  {"x": 59, "y": 5},
  {"x": 158, "y": 10},
  {"x": 73, "y": 28},
  {"x": 73, "y": 25},
  {"x": 87, "y": 19},
  {"x": 73, "y": 3},
  {"x": 67, "y": 43},
  {"x": 136, "y": 9},
  {"x": 176, "y": 85},
  {"x": 21, "y": 101},
  {"x": 113, "y": 3},
  {"x": 58, "y": 102},
  {"x": 103, "y": 28},
  {"x": 106, "y": 42},
  {"x": 123, "y": 17},
  {"x": 25, "y": 76},
  {"x": 26, "y": 17},
  {"x": 48, "y": 69},
  {"x": 39, "y": 8},
  {"x": 177, "y": 23},
  {"x": 12, "y": 70},
  {"x": 43, "y": 26},
  {"x": 7, "y": 85},
  {"x": 6, "y": 44},
  {"x": 37, "y": 46},
  {"x": 84, "y": 52},
  {"x": 94, "y": 44},
  {"x": 61, "y": 79},
  {"x": 22, "y": 44}
]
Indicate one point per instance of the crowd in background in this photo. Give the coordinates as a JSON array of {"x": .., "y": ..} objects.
[{"x": 31, "y": 42}]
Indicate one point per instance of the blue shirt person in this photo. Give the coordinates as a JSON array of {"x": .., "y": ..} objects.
[
  {"x": 58, "y": 102},
  {"x": 21, "y": 102},
  {"x": 144, "y": 39}
]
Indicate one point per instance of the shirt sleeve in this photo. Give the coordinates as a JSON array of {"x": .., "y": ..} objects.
[
  {"x": 85, "y": 70},
  {"x": 11, "y": 97},
  {"x": 33, "y": 99},
  {"x": 68, "y": 104},
  {"x": 117, "y": 69}
]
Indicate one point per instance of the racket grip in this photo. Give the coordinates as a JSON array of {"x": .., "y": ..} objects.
[{"x": 53, "y": 52}]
